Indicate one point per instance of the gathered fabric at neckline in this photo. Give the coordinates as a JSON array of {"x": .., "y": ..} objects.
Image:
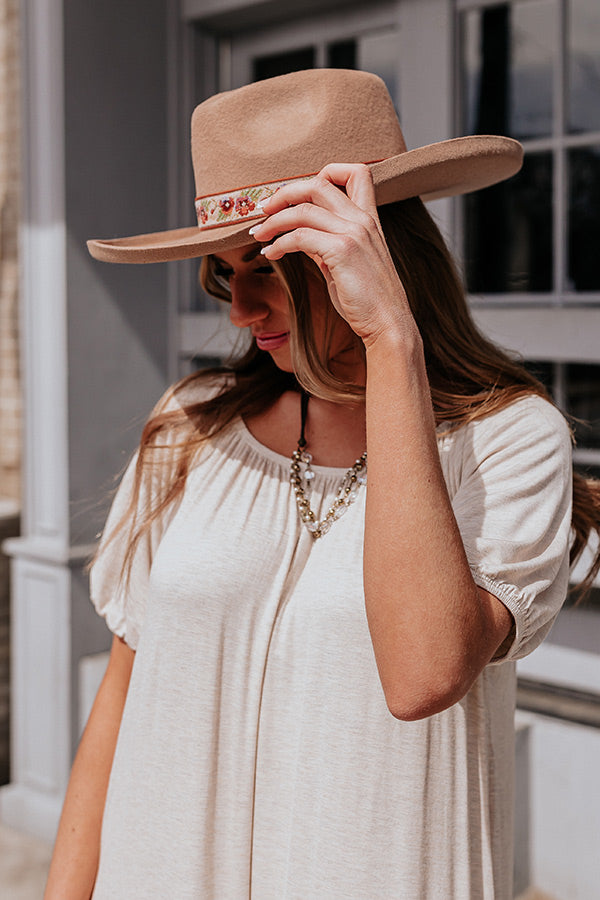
[{"x": 239, "y": 427}]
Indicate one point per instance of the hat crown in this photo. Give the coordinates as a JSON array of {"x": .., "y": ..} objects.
[
  {"x": 292, "y": 125},
  {"x": 269, "y": 132}
]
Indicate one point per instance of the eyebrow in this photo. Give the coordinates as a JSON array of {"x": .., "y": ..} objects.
[{"x": 247, "y": 257}]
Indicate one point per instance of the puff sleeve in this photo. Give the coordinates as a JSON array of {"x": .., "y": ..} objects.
[
  {"x": 122, "y": 601},
  {"x": 511, "y": 489}
]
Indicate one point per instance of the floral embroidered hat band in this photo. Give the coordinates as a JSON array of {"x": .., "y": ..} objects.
[{"x": 248, "y": 142}]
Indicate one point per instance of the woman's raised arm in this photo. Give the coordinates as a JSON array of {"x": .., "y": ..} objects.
[
  {"x": 75, "y": 859},
  {"x": 433, "y": 629}
]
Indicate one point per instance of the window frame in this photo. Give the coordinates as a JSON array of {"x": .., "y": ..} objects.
[
  {"x": 558, "y": 143},
  {"x": 558, "y": 326}
]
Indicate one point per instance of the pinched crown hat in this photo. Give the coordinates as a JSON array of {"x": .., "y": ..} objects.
[{"x": 248, "y": 142}]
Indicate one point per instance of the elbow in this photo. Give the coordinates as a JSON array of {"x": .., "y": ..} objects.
[
  {"x": 412, "y": 702},
  {"x": 413, "y": 712},
  {"x": 406, "y": 712}
]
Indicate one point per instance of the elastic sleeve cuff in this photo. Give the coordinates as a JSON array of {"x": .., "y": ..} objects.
[{"x": 515, "y": 603}]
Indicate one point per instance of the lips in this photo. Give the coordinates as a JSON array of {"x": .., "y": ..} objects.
[{"x": 272, "y": 340}]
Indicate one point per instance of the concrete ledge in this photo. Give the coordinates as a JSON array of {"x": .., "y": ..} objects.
[
  {"x": 24, "y": 863},
  {"x": 48, "y": 551},
  {"x": 29, "y": 811},
  {"x": 559, "y": 333}
]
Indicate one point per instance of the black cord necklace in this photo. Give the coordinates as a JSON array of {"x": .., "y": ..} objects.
[{"x": 302, "y": 474}]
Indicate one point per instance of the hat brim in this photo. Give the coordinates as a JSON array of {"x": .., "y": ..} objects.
[{"x": 444, "y": 169}]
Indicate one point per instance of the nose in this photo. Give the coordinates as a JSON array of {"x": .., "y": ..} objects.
[{"x": 247, "y": 307}]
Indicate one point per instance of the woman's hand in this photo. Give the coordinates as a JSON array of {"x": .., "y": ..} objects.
[
  {"x": 433, "y": 630},
  {"x": 332, "y": 218}
]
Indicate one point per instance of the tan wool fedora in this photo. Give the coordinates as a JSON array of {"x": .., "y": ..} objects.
[{"x": 248, "y": 142}]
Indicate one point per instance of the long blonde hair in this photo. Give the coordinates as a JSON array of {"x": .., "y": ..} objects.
[{"x": 469, "y": 376}]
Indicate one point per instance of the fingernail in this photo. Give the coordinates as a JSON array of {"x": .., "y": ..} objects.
[
  {"x": 253, "y": 229},
  {"x": 260, "y": 204}
]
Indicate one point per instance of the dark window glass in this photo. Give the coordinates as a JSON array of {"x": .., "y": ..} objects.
[
  {"x": 342, "y": 55},
  {"x": 583, "y": 402},
  {"x": 203, "y": 362},
  {"x": 485, "y": 64},
  {"x": 588, "y": 472},
  {"x": 507, "y": 59},
  {"x": 282, "y": 63},
  {"x": 583, "y": 65},
  {"x": 584, "y": 218},
  {"x": 508, "y": 232},
  {"x": 543, "y": 371}
]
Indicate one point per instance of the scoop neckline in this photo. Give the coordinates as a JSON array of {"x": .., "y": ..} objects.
[{"x": 282, "y": 460}]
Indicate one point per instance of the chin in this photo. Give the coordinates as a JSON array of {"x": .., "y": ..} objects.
[{"x": 282, "y": 359}]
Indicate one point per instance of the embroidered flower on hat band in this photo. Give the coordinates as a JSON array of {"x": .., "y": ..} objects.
[{"x": 239, "y": 205}]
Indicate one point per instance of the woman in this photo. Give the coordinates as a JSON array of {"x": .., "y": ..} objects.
[{"x": 312, "y": 682}]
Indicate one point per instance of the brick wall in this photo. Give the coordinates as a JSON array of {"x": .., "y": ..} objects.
[{"x": 10, "y": 399}]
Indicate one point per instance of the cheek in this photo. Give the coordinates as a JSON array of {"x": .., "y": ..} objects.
[
  {"x": 323, "y": 322},
  {"x": 320, "y": 304},
  {"x": 278, "y": 299}
]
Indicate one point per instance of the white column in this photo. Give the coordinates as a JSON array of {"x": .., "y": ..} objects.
[
  {"x": 94, "y": 348},
  {"x": 41, "y": 581}
]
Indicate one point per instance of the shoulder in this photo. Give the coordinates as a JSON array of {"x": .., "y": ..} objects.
[
  {"x": 529, "y": 422},
  {"x": 530, "y": 409},
  {"x": 530, "y": 432},
  {"x": 528, "y": 418}
]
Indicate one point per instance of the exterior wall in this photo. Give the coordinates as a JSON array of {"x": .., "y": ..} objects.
[
  {"x": 560, "y": 813},
  {"x": 94, "y": 349},
  {"x": 97, "y": 352}
]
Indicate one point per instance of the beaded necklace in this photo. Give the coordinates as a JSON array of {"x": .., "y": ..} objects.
[{"x": 302, "y": 474}]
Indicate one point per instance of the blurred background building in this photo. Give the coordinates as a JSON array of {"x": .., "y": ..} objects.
[
  {"x": 10, "y": 400},
  {"x": 108, "y": 89}
]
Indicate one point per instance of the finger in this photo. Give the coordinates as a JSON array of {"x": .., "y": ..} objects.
[
  {"x": 357, "y": 181},
  {"x": 324, "y": 237},
  {"x": 328, "y": 190},
  {"x": 314, "y": 243},
  {"x": 320, "y": 191},
  {"x": 302, "y": 240},
  {"x": 303, "y": 215}
]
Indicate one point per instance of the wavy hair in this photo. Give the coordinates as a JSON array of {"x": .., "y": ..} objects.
[{"x": 469, "y": 376}]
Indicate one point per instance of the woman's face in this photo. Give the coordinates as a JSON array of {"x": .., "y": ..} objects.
[{"x": 259, "y": 302}]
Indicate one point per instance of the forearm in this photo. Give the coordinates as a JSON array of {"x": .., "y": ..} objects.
[
  {"x": 432, "y": 629},
  {"x": 76, "y": 852}
]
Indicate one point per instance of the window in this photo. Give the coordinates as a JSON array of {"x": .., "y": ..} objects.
[{"x": 531, "y": 69}]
